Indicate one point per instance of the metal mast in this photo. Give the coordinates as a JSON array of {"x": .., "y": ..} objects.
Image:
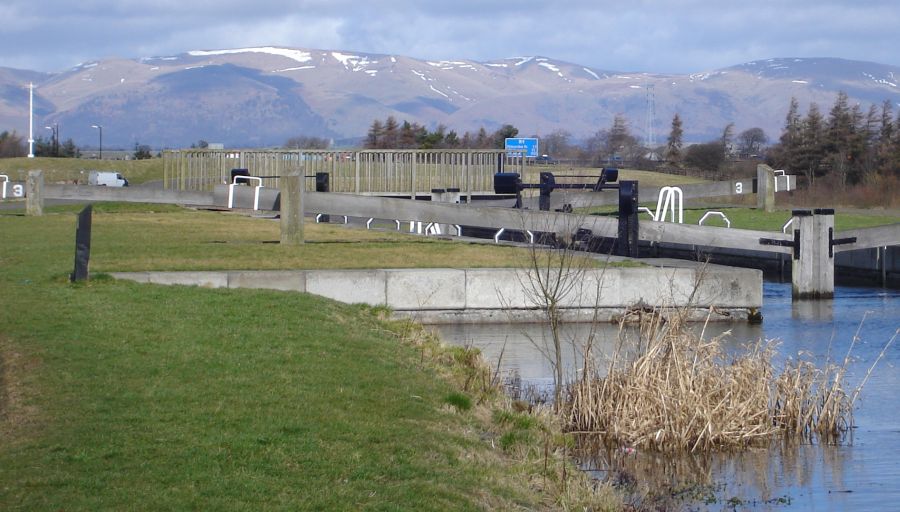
[{"x": 651, "y": 118}]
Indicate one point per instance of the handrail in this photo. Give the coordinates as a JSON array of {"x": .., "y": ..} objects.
[
  {"x": 714, "y": 212},
  {"x": 786, "y": 224},
  {"x": 668, "y": 197},
  {"x": 255, "y": 190}
]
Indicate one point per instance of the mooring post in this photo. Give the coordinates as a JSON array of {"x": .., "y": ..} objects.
[
  {"x": 765, "y": 188},
  {"x": 812, "y": 271},
  {"x": 291, "y": 204},
  {"x": 82, "y": 244},
  {"x": 323, "y": 184},
  {"x": 34, "y": 193}
]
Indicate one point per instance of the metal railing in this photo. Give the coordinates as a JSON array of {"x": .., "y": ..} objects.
[{"x": 394, "y": 172}]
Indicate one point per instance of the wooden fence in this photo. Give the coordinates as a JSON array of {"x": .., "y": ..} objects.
[{"x": 395, "y": 172}]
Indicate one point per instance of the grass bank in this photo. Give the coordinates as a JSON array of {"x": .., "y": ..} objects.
[
  {"x": 115, "y": 395},
  {"x": 752, "y": 218},
  {"x": 71, "y": 169}
]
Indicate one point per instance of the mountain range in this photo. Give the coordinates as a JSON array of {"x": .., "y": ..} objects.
[{"x": 259, "y": 97}]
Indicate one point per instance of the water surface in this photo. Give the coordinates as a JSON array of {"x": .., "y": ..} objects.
[{"x": 863, "y": 473}]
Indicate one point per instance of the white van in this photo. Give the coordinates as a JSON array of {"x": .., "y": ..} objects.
[{"x": 107, "y": 179}]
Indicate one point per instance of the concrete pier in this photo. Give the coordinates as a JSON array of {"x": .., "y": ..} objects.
[
  {"x": 484, "y": 295},
  {"x": 812, "y": 270}
]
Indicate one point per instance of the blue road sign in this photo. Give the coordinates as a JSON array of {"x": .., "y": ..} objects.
[{"x": 529, "y": 145}]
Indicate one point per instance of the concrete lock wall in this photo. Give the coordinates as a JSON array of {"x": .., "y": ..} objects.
[{"x": 498, "y": 295}]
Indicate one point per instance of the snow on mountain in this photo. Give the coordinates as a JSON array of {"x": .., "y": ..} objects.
[{"x": 263, "y": 95}]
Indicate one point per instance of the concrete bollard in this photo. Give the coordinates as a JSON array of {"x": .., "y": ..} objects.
[
  {"x": 291, "y": 202},
  {"x": 765, "y": 188},
  {"x": 34, "y": 193},
  {"x": 812, "y": 270}
]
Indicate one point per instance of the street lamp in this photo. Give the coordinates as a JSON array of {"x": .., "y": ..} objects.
[
  {"x": 99, "y": 127},
  {"x": 55, "y": 130}
]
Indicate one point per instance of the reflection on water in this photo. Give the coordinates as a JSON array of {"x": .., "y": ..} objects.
[{"x": 862, "y": 474}]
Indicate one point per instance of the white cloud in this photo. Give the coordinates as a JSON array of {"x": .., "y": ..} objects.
[{"x": 643, "y": 35}]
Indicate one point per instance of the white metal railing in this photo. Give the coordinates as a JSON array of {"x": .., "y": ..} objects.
[
  {"x": 255, "y": 190},
  {"x": 716, "y": 213},
  {"x": 668, "y": 197},
  {"x": 787, "y": 224},
  {"x": 5, "y": 179}
]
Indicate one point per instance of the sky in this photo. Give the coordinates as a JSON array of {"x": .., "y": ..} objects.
[{"x": 662, "y": 36}]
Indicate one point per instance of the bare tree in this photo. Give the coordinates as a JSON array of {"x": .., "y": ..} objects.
[{"x": 751, "y": 142}]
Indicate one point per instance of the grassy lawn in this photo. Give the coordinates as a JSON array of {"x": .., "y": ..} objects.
[
  {"x": 70, "y": 169},
  {"x": 751, "y": 218},
  {"x": 115, "y": 395}
]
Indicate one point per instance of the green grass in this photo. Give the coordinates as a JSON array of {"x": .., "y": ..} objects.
[
  {"x": 129, "y": 238},
  {"x": 70, "y": 169},
  {"x": 751, "y": 218},
  {"x": 115, "y": 395}
]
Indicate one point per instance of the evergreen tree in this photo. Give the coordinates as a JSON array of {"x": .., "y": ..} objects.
[
  {"x": 811, "y": 150},
  {"x": 374, "y": 137},
  {"x": 507, "y": 131},
  {"x": 786, "y": 154},
  {"x": 675, "y": 141},
  {"x": 391, "y": 135}
]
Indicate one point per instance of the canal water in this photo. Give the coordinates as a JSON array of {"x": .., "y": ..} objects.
[{"x": 862, "y": 473}]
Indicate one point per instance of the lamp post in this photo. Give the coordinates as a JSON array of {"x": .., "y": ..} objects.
[
  {"x": 99, "y": 127},
  {"x": 55, "y": 130}
]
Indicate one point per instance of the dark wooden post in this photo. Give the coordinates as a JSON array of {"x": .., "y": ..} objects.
[{"x": 82, "y": 244}]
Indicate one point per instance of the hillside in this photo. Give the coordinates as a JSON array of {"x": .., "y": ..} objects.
[{"x": 261, "y": 96}]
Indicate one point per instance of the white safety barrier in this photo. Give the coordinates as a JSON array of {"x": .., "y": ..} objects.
[
  {"x": 784, "y": 177},
  {"x": 647, "y": 210},
  {"x": 668, "y": 197},
  {"x": 717, "y": 213},
  {"x": 5, "y": 179},
  {"x": 255, "y": 190},
  {"x": 787, "y": 225},
  {"x": 497, "y": 236},
  {"x": 530, "y": 237},
  {"x": 320, "y": 215}
]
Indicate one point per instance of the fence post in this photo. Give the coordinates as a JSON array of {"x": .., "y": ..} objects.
[
  {"x": 34, "y": 193},
  {"x": 812, "y": 270},
  {"x": 291, "y": 205}
]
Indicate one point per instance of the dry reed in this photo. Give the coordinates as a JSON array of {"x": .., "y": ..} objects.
[{"x": 680, "y": 392}]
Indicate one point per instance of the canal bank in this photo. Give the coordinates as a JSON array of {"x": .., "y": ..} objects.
[{"x": 450, "y": 295}]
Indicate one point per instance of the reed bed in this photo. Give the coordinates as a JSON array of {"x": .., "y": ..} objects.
[{"x": 675, "y": 391}]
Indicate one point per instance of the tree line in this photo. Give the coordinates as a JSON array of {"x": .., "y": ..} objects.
[
  {"x": 391, "y": 134},
  {"x": 13, "y": 145},
  {"x": 850, "y": 144}
]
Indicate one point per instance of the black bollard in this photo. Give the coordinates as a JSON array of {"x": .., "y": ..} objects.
[
  {"x": 82, "y": 244},
  {"x": 323, "y": 184},
  {"x": 627, "y": 242}
]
